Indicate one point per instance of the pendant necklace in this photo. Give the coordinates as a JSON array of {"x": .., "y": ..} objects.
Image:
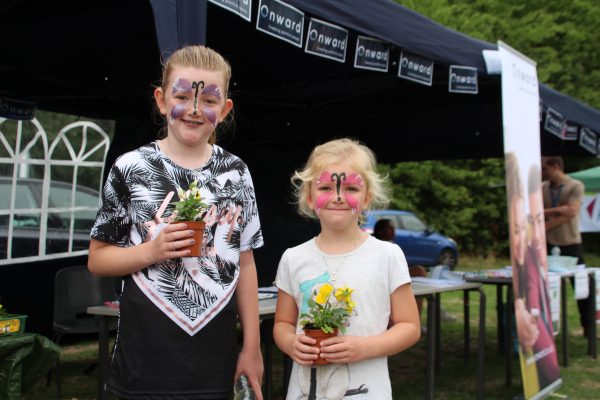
[{"x": 334, "y": 273}]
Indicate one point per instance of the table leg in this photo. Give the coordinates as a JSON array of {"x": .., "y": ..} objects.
[
  {"x": 267, "y": 339},
  {"x": 481, "y": 346},
  {"x": 438, "y": 336},
  {"x": 467, "y": 325},
  {"x": 563, "y": 322},
  {"x": 592, "y": 331},
  {"x": 508, "y": 348},
  {"x": 500, "y": 316},
  {"x": 430, "y": 375},
  {"x": 102, "y": 355}
]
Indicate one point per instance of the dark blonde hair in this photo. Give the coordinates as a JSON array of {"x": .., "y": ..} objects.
[
  {"x": 200, "y": 57},
  {"x": 361, "y": 159}
]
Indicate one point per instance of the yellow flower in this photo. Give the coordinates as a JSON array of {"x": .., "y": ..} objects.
[
  {"x": 343, "y": 294},
  {"x": 350, "y": 305},
  {"x": 324, "y": 293}
]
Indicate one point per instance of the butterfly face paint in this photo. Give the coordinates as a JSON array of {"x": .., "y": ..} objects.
[
  {"x": 188, "y": 94},
  {"x": 342, "y": 185}
]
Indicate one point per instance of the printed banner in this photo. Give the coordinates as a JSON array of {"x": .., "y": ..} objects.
[
  {"x": 415, "y": 68},
  {"x": 16, "y": 109},
  {"x": 589, "y": 214},
  {"x": 462, "y": 79},
  {"x": 555, "y": 122},
  {"x": 570, "y": 131},
  {"x": 280, "y": 20},
  {"x": 371, "y": 54},
  {"x": 588, "y": 139},
  {"x": 554, "y": 289},
  {"x": 242, "y": 8},
  {"x": 326, "y": 40},
  {"x": 533, "y": 314}
]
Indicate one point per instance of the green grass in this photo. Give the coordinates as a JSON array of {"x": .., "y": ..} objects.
[{"x": 407, "y": 369}]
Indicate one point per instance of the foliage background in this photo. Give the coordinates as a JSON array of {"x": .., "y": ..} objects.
[{"x": 466, "y": 199}]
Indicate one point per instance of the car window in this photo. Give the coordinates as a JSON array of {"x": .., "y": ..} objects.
[
  {"x": 24, "y": 198},
  {"x": 412, "y": 223},
  {"x": 60, "y": 196}
]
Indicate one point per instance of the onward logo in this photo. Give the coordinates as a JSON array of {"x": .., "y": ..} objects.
[
  {"x": 462, "y": 79},
  {"x": 16, "y": 109},
  {"x": 373, "y": 55},
  {"x": 588, "y": 139},
  {"x": 415, "y": 68},
  {"x": 326, "y": 40},
  {"x": 525, "y": 77},
  {"x": 555, "y": 122},
  {"x": 281, "y": 20}
]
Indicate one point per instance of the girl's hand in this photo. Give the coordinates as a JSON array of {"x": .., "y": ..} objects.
[
  {"x": 170, "y": 240},
  {"x": 250, "y": 363},
  {"x": 344, "y": 349},
  {"x": 303, "y": 350}
]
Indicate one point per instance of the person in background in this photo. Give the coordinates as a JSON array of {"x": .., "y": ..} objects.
[
  {"x": 338, "y": 183},
  {"x": 385, "y": 230},
  {"x": 177, "y": 335},
  {"x": 563, "y": 196}
]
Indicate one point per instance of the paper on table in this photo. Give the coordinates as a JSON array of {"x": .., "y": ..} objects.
[{"x": 268, "y": 289}]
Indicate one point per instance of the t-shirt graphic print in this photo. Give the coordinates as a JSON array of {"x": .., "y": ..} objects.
[{"x": 189, "y": 290}]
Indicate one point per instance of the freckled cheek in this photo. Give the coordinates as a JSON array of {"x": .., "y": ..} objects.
[
  {"x": 322, "y": 200},
  {"x": 352, "y": 202}
]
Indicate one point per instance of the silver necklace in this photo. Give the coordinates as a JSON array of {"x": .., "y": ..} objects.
[{"x": 334, "y": 273}]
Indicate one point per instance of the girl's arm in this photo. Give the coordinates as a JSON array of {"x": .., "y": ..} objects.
[
  {"x": 298, "y": 347},
  {"x": 250, "y": 360},
  {"x": 404, "y": 332},
  {"x": 106, "y": 259}
]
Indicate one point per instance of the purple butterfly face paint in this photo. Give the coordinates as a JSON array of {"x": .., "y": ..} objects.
[
  {"x": 196, "y": 95},
  {"x": 341, "y": 185}
]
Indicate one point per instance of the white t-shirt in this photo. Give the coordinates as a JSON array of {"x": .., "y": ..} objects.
[{"x": 374, "y": 270}]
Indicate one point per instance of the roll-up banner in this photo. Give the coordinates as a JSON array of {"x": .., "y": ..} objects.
[{"x": 520, "y": 117}]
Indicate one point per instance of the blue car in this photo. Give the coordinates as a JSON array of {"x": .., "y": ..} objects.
[{"x": 420, "y": 244}]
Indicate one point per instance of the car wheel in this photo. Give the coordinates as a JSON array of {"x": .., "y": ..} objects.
[{"x": 449, "y": 258}]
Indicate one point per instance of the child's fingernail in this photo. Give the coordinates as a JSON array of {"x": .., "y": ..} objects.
[{"x": 192, "y": 241}]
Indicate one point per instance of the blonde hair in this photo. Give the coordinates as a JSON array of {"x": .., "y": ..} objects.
[
  {"x": 361, "y": 159},
  {"x": 200, "y": 57}
]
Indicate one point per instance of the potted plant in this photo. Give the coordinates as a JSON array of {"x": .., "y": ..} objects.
[
  {"x": 191, "y": 209},
  {"x": 328, "y": 312}
]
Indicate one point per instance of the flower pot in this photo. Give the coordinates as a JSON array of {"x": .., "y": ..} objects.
[
  {"x": 198, "y": 228},
  {"x": 319, "y": 336}
]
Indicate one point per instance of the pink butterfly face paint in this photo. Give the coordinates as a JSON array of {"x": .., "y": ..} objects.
[
  {"x": 341, "y": 184},
  {"x": 188, "y": 94}
]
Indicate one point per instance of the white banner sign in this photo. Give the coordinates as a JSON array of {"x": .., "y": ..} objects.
[
  {"x": 520, "y": 118},
  {"x": 589, "y": 214},
  {"x": 554, "y": 291}
]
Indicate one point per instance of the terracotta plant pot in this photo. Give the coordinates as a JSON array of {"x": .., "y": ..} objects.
[
  {"x": 198, "y": 228},
  {"x": 319, "y": 336}
]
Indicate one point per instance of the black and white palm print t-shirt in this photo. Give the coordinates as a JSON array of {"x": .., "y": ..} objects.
[{"x": 189, "y": 290}]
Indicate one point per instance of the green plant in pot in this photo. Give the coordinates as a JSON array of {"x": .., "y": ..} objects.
[
  {"x": 329, "y": 310},
  {"x": 191, "y": 209}
]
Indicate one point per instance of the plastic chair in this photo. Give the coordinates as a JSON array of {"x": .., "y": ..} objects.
[{"x": 76, "y": 289}]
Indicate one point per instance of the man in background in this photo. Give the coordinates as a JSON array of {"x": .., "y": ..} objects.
[{"x": 563, "y": 196}]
